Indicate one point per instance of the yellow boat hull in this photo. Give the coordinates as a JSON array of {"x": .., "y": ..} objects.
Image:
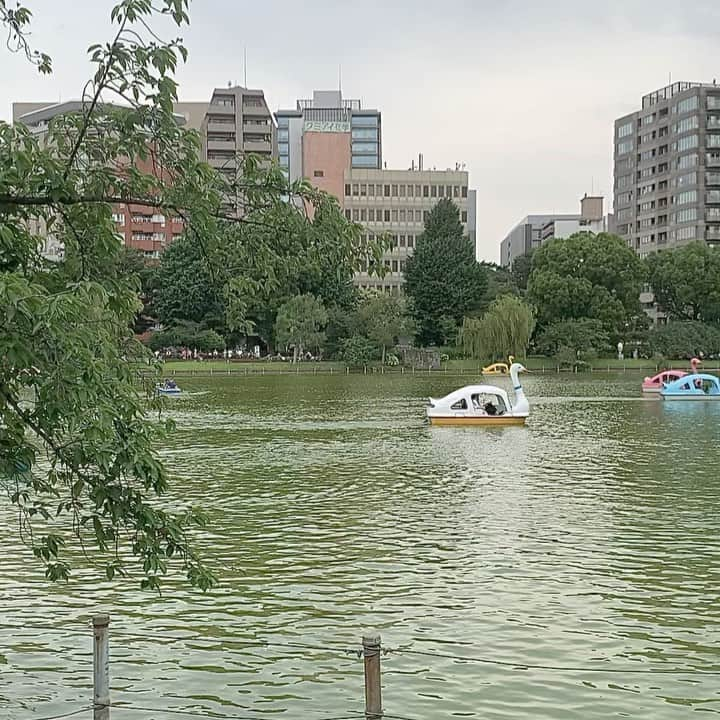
[{"x": 490, "y": 421}]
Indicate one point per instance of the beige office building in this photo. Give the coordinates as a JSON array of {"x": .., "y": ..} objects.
[{"x": 397, "y": 202}]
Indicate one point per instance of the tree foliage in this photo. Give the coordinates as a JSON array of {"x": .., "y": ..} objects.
[
  {"x": 186, "y": 290},
  {"x": 358, "y": 351},
  {"x": 505, "y": 329},
  {"x": 520, "y": 271},
  {"x": 685, "y": 339},
  {"x": 382, "y": 318},
  {"x": 442, "y": 277},
  {"x": 190, "y": 335},
  {"x": 78, "y": 460},
  {"x": 586, "y": 276},
  {"x": 686, "y": 282},
  {"x": 585, "y": 336},
  {"x": 300, "y": 324}
]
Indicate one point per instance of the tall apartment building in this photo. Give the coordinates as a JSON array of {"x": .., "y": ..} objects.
[
  {"x": 397, "y": 202},
  {"x": 667, "y": 168},
  {"x": 237, "y": 122}
]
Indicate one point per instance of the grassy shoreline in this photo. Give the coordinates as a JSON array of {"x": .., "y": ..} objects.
[{"x": 457, "y": 367}]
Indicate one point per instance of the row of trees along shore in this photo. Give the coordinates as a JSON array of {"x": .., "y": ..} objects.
[
  {"x": 573, "y": 300},
  {"x": 79, "y": 465}
]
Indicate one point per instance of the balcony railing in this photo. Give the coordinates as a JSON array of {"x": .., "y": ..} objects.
[
  {"x": 712, "y": 197},
  {"x": 712, "y": 159}
]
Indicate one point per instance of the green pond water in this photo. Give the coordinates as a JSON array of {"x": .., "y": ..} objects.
[{"x": 589, "y": 539}]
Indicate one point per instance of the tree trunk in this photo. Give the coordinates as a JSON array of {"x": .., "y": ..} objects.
[
  {"x": 383, "y": 355},
  {"x": 295, "y": 354}
]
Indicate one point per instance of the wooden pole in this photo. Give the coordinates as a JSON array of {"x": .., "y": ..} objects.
[
  {"x": 101, "y": 668},
  {"x": 373, "y": 692}
]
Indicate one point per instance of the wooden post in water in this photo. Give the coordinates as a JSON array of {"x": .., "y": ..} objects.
[
  {"x": 373, "y": 691},
  {"x": 101, "y": 668}
]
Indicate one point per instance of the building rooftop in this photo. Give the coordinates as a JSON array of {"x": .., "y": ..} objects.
[{"x": 669, "y": 91}]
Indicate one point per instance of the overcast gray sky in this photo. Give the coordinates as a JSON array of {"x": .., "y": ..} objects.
[{"x": 523, "y": 92}]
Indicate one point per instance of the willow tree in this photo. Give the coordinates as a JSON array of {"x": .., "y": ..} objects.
[
  {"x": 505, "y": 329},
  {"x": 77, "y": 447}
]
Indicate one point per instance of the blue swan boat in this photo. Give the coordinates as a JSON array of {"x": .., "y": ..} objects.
[{"x": 696, "y": 386}]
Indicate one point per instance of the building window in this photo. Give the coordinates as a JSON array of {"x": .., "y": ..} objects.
[
  {"x": 387, "y": 216},
  {"x": 624, "y": 214},
  {"x": 347, "y": 189},
  {"x": 410, "y": 190},
  {"x": 119, "y": 218},
  {"x": 348, "y": 214},
  {"x": 411, "y": 241},
  {"x": 625, "y": 130},
  {"x": 689, "y": 123},
  {"x": 365, "y": 161},
  {"x": 364, "y": 120},
  {"x": 363, "y": 215},
  {"x": 464, "y": 216},
  {"x": 433, "y": 191},
  {"x": 283, "y": 134},
  {"x": 386, "y": 191},
  {"x": 364, "y": 133},
  {"x": 624, "y": 147},
  {"x": 426, "y": 215},
  {"x": 626, "y": 198},
  {"x": 371, "y": 215},
  {"x": 690, "y": 141},
  {"x": 684, "y": 198},
  {"x": 402, "y": 190},
  {"x": 464, "y": 191},
  {"x": 691, "y": 103},
  {"x": 394, "y": 190},
  {"x": 355, "y": 189},
  {"x": 394, "y": 216},
  {"x": 363, "y": 190},
  {"x": 418, "y": 216},
  {"x": 395, "y": 266},
  {"x": 624, "y": 181},
  {"x": 360, "y": 148},
  {"x": 426, "y": 191},
  {"x": 686, "y": 233},
  {"x": 441, "y": 191},
  {"x": 355, "y": 215},
  {"x": 318, "y": 173},
  {"x": 402, "y": 215},
  {"x": 402, "y": 241},
  {"x": 687, "y": 161},
  {"x": 371, "y": 189},
  {"x": 688, "y": 215}
]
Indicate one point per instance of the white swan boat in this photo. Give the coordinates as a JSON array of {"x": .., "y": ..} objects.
[{"x": 482, "y": 405}]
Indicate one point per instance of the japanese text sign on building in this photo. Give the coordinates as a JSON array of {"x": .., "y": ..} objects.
[{"x": 326, "y": 126}]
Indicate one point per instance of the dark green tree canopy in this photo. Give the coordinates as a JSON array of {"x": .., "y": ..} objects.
[
  {"x": 442, "y": 277},
  {"x": 186, "y": 289},
  {"x": 586, "y": 276},
  {"x": 686, "y": 282}
]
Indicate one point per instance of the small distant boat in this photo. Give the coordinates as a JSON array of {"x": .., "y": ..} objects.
[
  {"x": 498, "y": 368},
  {"x": 655, "y": 384},
  {"x": 482, "y": 405},
  {"x": 168, "y": 388},
  {"x": 697, "y": 386}
]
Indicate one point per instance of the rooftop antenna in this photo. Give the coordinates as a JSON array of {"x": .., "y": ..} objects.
[
  {"x": 245, "y": 66},
  {"x": 340, "y": 78}
]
